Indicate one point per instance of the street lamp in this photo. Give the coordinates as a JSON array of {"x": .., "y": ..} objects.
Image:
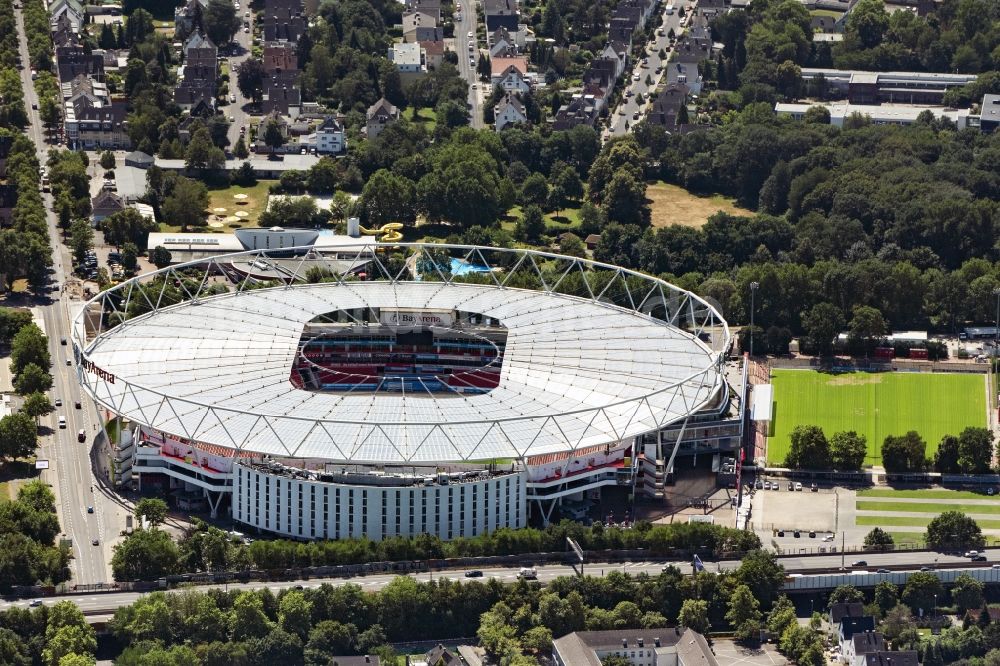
[
  {"x": 996, "y": 324},
  {"x": 753, "y": 292}
]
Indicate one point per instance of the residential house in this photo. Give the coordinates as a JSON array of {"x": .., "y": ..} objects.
[
  {"x": 850, "y": 625},
  {"x": 280, "y": 57},
  {"x": 581, "y": 110},
  {"x": 72, "y": 10},
  {"x": 841, "y": 610},
  {"x": 591, "y": 241},
  {"x": 282, "y": 94},
  {"x": 73, "y": 61},
  {"x": 283, "y": 20},
  {"x": 281, "y": 121},
  {"x": 510, "y": 74},
  {"x": 62, "y": 32},
  {"x": 502, "y": 44},
  {"x": 434, "y": 52},
  {"x": 328, "y": 139},
  {"x": 439, "y": 655},
  {"x": 380, "y": 115},
  {"x": 989, "y": 113},
  {"x": 667, "y": 106},
  {"x": 430, "y": 7},
  {"x": 893, "y": 658},
  {"x": 500, "y": 14},
  {"x": 410, "y": 61},
  {"x": 622, "y": 30},
  {"x": 200, "y": 51},
  {"x": 139, "y": 159},
  {"x": 199, "y": 77},
  {"x": 509, "y": 111},
  {"x": 90, "y": 119},
  {"x": 663, "y": 646},
  {"x": 860, "y": 645},
  {"x": 616, "y": 52},
  {"x": 105, "y": 204},
  {"x": 421, "y": 27},
  {"x": 188, "y": 16}
]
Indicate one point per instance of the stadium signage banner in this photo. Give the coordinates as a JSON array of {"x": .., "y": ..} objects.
[
  {"x": 416, "y": 318},
  {"x": 92, "y": 368}
]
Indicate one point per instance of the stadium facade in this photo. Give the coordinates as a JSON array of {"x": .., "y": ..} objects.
[{"x": 449, "y": 390}]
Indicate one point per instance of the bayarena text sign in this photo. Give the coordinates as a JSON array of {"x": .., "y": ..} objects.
[
  {"x": 92, "y": 368},
  {"x": 442, "y": 318}
]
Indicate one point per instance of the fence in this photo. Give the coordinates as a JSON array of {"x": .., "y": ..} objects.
[{"x": 839, "y": 364}]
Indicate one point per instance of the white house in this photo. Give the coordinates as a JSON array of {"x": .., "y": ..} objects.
[
  {"x": 509, "y": 111},
  {"x": 410, "y": 60},
  {"x": 330, "y": 137},
  {"x": 510, "y": 74}
]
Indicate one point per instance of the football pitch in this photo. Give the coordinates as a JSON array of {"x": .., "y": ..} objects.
[{"x": 874, "y": 404}]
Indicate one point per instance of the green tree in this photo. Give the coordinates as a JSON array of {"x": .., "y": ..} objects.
[
  {"x": 822, "y": 323},
  {"x": 107, "y": 160},
  {"x": 32, "y": 379},
  {"x": 624, "y": 200},
  {"x": 221, "y": 21},
  {"x": 904, "y": 453},
  {"x": 953, "y": 530},
  {"x": 845, "y": 594},
  {"x": 81, "y": 236},
  {"x": 153, "y": 509},
  {"x": 18, "y": 436},
  {"x": 240, "y": 149},
  {"x": 531, "y": 226},
  {"x": 869, "y": 22},
  {"x": 248, "y": 618},
  {"x": 534, "y": 190},
  {"x": 571, "y": 245},
  {"x": 37, "y": 405},
  {"x": 809, "y": 449},
  {"x": 250, "y": 78},
  {"x": 967, "y": 593},
  {"x": 201, "y": 152},
  {"x": 328, "y": 639},
  {"x": 744, "y": 614},
  {"x": 127, "y": 226},
  {"x": 922, "y": 588},
  {"x": 879, "y": 539},
  {"x": 145, "y": 555},
  {"x": 886, "y": 596},
  {"x": 760, "y": 571},
  {"x": 975, "y": 450},
  {"x": 694, "y": 615},
  {"x": 867, "y": 325},
  {"x": 946, "y": 456},
  {"x": 848, "y": 450},
  {"x": 29, "y": 346},
  {"x": 273, "y": 138},
  {"x": 387, "y": 198},
  {"x": 67, "y": 641},
  {"x": 186, "y": 206},
  {"x": 295, "y": 614},
  {"x": 160, "y": 256}
]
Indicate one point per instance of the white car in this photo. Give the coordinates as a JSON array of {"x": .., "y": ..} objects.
[{"x": 636, "y": 77}]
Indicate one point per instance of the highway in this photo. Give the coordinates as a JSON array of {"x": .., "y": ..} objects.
[
  {"x": 467, "y": 69},
  {"x": 629, "y": 111},
  {"x": 70, "y": 472},
  {"x": 103, "y": 604}
]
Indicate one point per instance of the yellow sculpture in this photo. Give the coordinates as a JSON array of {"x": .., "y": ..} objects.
[{"x": 389, "y": 232}]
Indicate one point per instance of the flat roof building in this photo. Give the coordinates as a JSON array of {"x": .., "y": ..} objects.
[
  {"x": 862, "y": 87},
  {"x": 885, "y": 114}
]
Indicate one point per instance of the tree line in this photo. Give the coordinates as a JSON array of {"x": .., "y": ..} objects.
[{"x": 150, "y": 554}]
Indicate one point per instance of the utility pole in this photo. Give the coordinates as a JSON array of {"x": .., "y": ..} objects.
[
  {"x": 843, "y": 540},
  {"x": 753, "y": 291}
]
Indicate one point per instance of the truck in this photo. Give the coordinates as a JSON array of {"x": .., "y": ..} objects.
[{"x": 528, "y": 573}]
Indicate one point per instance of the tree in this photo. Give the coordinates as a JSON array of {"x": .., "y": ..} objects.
[
  {"x": 967, "y": 593},
  {"x": 248, "y": 618},
  {"x": 694, "y": 615},
  {"x": 145, "y": 555},
  {"x": 953, "y": 530},
  {"x": 538, "y": 640},
  {"x": 386, "y": 198},
  {"x": 18, "y": 436},
  {"x": 822, "y": 323},
  {"x": 36, "y": 405},
  {"x": 534, "y": 190},
  {"x": 68, "y": 641},
  {"x": 848, "y": 450},
  {"x": 221, "y": 21},
  {"x": 187, "y": 204},
  {"x": 287, "y": 212},
  {"x": 29, "y": 346},
  {"x": 571, "y": 245},
  {"x": 744, "y": 614},
  {"x": 975, "y": 450},
  {"x": 904, "y": 453},
  {"x": 886, "y": 596},
  {"x": 240, "y": 149},
  {"x": 107, "y": 160},
  {"x": 160, "y": 256},
  {"x": 867, "y": 325},
  {"x": 761, "y": 572},
  {"x": 531, "y": 226},
  {"x": 868, "y": 22},
  {"x": 32, "y": 379},
  {"x": 153, "y": 509},
  {"x": 328, "y": 639},
  {"x": 127, "y": 226},
  {"x": 273, "y": 138},
  {"x": 946, "y": 456},
  {"x": 81, "y": 236},
  {"x": 201, "y": 152},
  {"x": 922, "y": 588},
  {"x": 11, "y": 321},
  {"x": 615, "y": 660},
  {"x": 899, "y": 620},
  {"x": 295, "y": 614},
  {"x": 809, "y": 449},
  {"x": 845, "y": 594},
  {"x": 624, "y": 200},
  {"x": 879, "y": 539},
  {"x": 250, "y": 78}
]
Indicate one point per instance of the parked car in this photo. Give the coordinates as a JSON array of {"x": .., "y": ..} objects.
[
  {"x": 35, "y": 603},
  {"x": 972, "y": 553},
  {"x": 90, "y": 509},
  {"x": 798, "y": 486},
  {"x": 814, "y": 488},
  {"x": 58, "y": 402},
  {"x": 77, "y": 404},
  {"x": 791, "y": 485}
]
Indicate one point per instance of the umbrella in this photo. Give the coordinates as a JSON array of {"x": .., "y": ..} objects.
[
  {"x": 231, "y": 219},
  {"x": 219, "y": 210},
  {"x": 241, "y": 196},
  {"x": 242, "y": 213},
  {"x": 215, "y": 224}
]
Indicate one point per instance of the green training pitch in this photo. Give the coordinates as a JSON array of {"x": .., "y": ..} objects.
[{"x": 874, "y": 404}]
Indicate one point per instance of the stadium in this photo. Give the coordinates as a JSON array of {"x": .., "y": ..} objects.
[{"x": 418, "y": 388}]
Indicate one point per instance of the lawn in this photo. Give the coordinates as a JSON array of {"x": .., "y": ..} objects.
[
  {"x": 907, "y": 538},
  {"x": 915, "y": 521},
  {"x": 875, "y": 405},
  {"x": 675, "y": 205},
  {"x": 223, "y": 198},
  {"x": 928, "y": 507},
  {"x": 939, "y": 494}
]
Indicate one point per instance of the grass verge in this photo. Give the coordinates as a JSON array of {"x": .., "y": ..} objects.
[
  {"x": 915, "y": 521},
  {"x": 929, "y": 493},
  {"x": 928, "y": 507}
]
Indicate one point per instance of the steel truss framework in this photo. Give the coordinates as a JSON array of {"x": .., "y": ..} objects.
[{"x": 595, "y": 354}]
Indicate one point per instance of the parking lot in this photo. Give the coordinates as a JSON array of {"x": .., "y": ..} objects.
[{"x": 728, "y": 653}]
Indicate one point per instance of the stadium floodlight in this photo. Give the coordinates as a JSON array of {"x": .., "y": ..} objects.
[{"x": 594, "y": 355}]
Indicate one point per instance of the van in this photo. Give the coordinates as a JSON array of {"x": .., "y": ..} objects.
[
  {"x": 62, "y": 421},
  {"x": 81, "y": 436}
]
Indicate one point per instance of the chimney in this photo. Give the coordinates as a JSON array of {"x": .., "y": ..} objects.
[
  {"x": 641, "y": 640},
  {"x": 625, "y": 643},
  {"x": 656, "y": 642}
]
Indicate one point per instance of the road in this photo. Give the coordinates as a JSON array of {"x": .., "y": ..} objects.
[
  {"x": 98, "y": 604},
  {"x": 70, "y": 471},
  {"x": 466, "y": 68},
  {"x": 624, "y": 117},
  {"x": 243, "y": 41}
]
